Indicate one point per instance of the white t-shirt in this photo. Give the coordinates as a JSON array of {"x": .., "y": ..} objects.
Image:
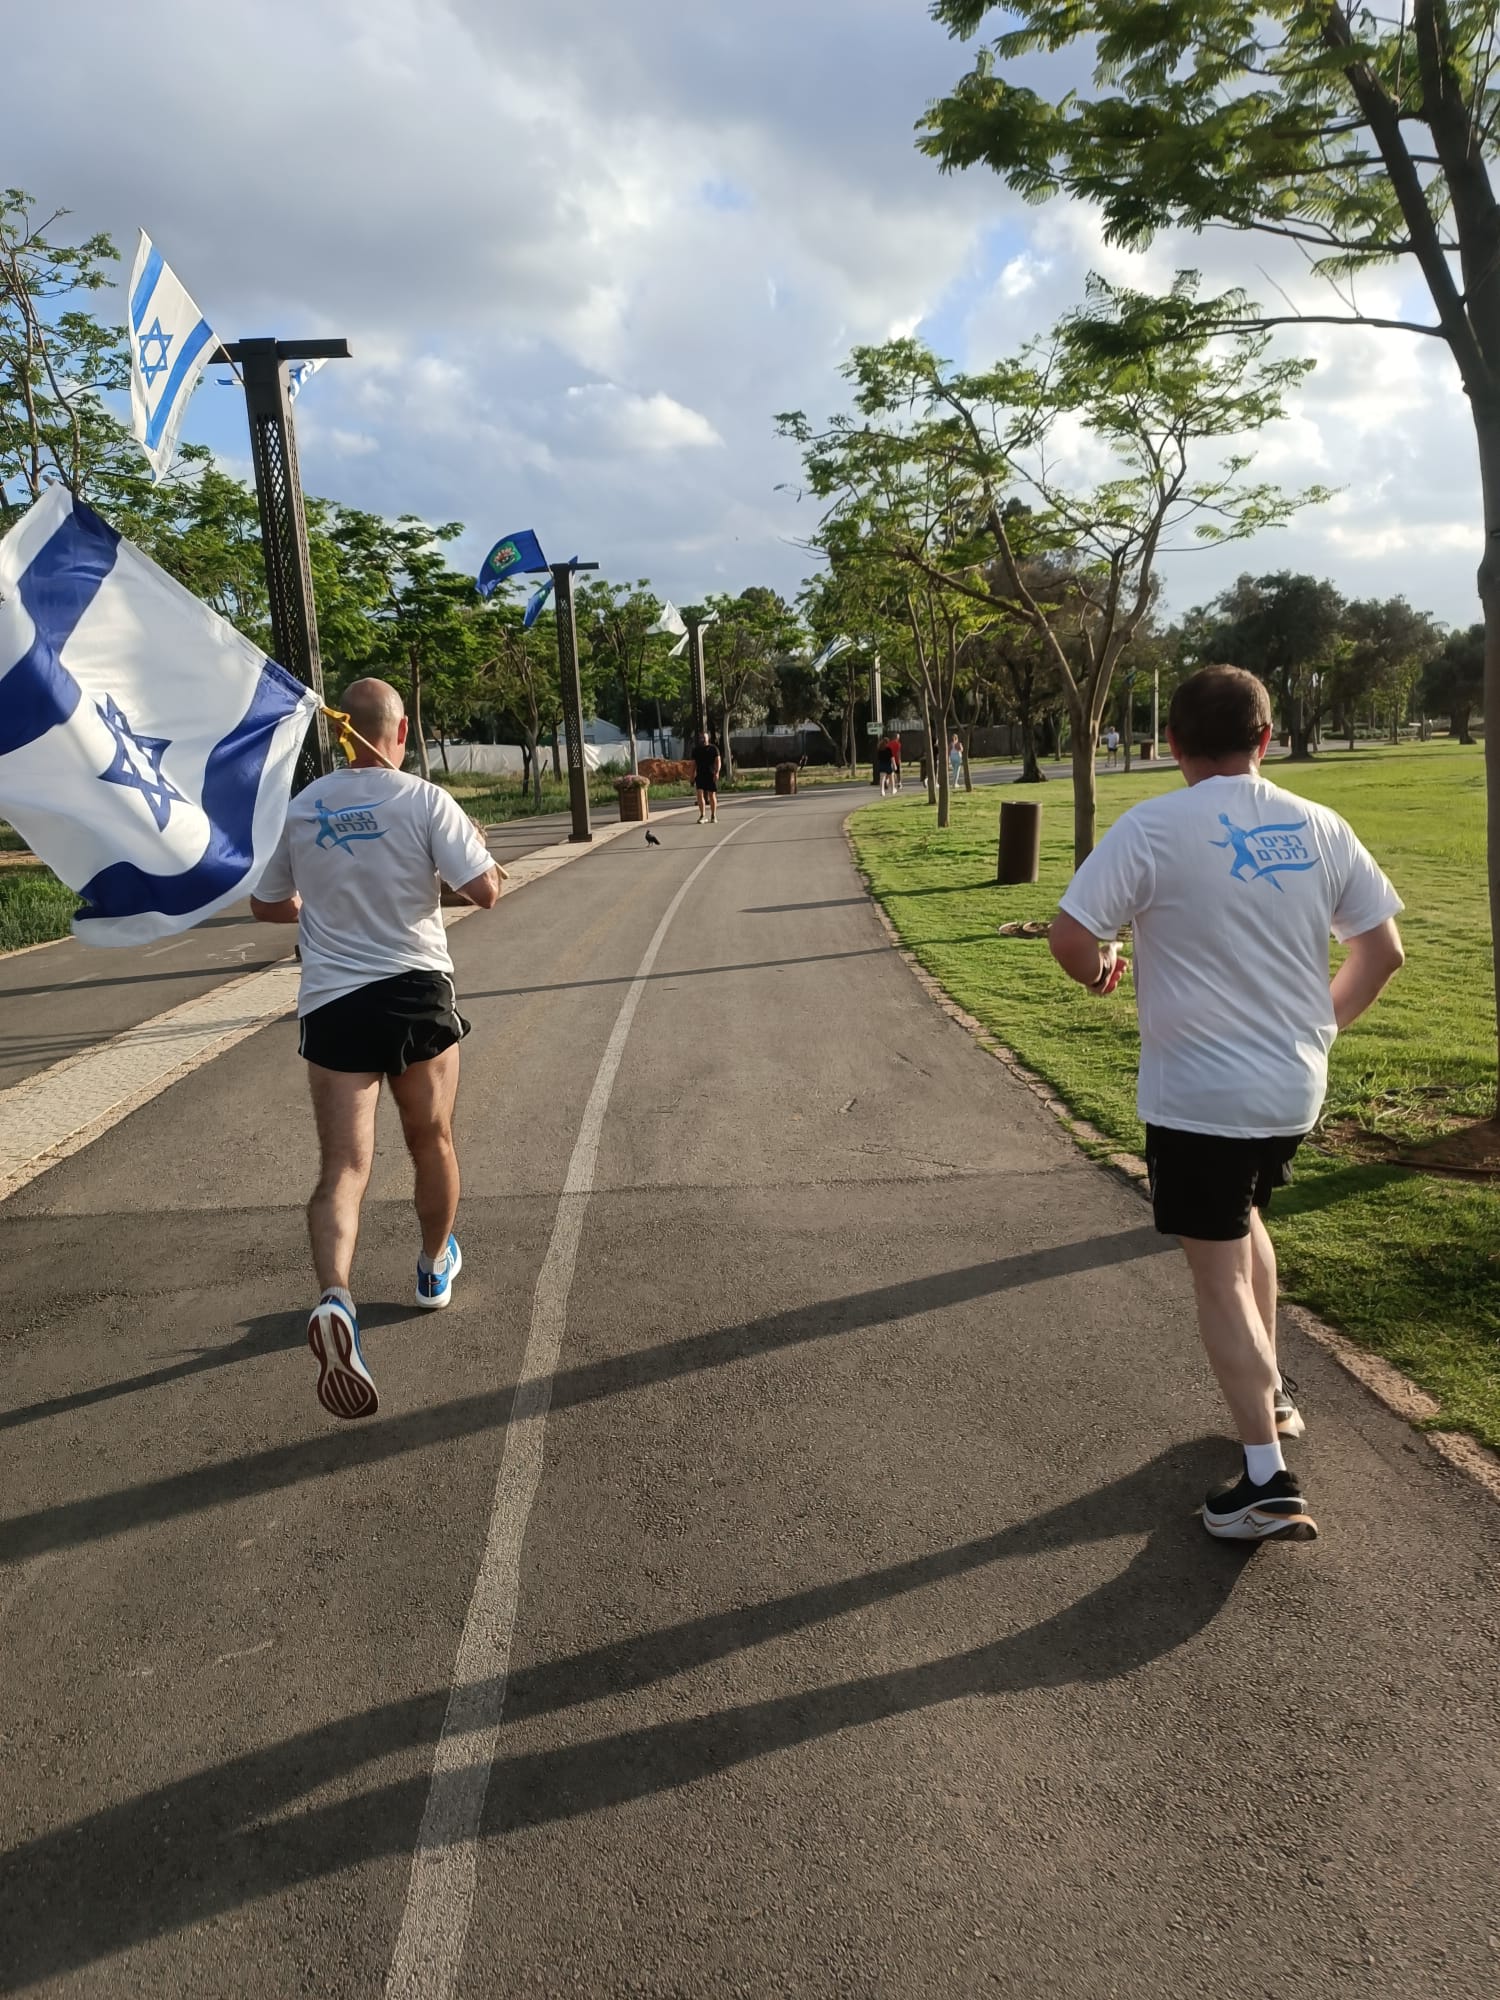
[
  {"x": 1234, "y": 887},
  {"x": 368, "y": 850}
]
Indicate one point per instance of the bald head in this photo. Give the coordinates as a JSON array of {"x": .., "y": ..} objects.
[{"x": 377, "y": 712}]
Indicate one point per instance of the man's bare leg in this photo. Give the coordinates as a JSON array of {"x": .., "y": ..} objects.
[
  {"x": 1240, "y": 1351},
  {"x": 344, "y": 1110},
  {"x": 702, "y": 804},
  {"x": 424, "y": 1096},
  {"x": 1263, "y": 1264}
]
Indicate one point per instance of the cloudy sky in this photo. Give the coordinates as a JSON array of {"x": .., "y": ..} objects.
[{"x": 584, "y": 252}]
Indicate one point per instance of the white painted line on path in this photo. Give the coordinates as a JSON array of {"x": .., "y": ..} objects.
[{"x": 440, "y": 1897}]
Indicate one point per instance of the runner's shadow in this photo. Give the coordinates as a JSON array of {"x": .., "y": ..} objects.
[
  {"x": 232, "y": 1835},
  {"x": 269, "y": 1333}
]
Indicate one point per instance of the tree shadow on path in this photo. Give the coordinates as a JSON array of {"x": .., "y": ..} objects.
[{"x": 233, "y": 1835}]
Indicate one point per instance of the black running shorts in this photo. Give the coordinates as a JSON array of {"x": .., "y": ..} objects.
[
  {"x": 705, "y": 782},
  {"x": 1205, "y": 1186},
  {"x": 384, "y": 1028}
]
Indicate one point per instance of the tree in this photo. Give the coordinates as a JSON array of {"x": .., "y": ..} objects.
[
  {"x": 951, "y": 453},
  {"x": 1390, "y": 643},
  {"x": 616, "y": 619},
  {"x": 1285, "y": 629},
  {"x": 740, "y": 650},
  {"x": 1453, "y": 680},
  {"x": 517, "y": 676},
  {"x": 1365, "y": 140},
  {"x": 416, "y": 632}
]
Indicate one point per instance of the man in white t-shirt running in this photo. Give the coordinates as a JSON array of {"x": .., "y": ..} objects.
[
  {"x": 361, "y": 868},
  {"x": 1233, "y": 888}
]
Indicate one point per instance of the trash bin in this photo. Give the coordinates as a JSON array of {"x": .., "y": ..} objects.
[
  {"x": 786, "y": 780},
  {"x": 1148, "y": 751},
  {"x": 1020, "y": 841}
]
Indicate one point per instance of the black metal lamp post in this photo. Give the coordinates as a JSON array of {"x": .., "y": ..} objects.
[
  {"x": 572, "y": 696},
  {"x": 283, "y": 522}
]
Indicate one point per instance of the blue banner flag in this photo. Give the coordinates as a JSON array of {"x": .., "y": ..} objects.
[
  {"x": 511, "y": 554},
  {"x": 536, "y": 605},
  {"x": 171, "y": 344},
  {"x": 146, "y": 749}
]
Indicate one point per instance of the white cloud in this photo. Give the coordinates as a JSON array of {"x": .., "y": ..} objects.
[
  {"x": 708, "y": 205},
  {"x": 617, "y": 418}
]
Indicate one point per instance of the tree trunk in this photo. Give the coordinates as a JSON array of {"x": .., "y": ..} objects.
[
  {"x": 726, "y": 755},
  {"x": 443, "y": 751},
  {"x": 1487, "y": 433},
  {"x": 556, "y": 755},
  {"x": 416, "y": 717},
  {"x": 928, "y": 757},
  {"x": 1085, "y": 754},
  {"x": 1458, "y": 723},
  {"x": 968, "y": 745},
  {"x": 1031, "y": 770},
  {"x": 533, "y": 751}
]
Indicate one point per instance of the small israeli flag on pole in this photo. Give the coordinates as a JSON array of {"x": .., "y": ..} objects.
[
  {"x": 171, "y": 344},
  {"x": 297, "y": 375},
  {"x": 146, "y": 749}
]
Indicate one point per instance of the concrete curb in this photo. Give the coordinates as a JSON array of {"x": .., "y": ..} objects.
[{"x": 1393, "y": 1390}]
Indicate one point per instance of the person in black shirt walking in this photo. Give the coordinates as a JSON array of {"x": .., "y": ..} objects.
[{"x": 706, "y": 767}]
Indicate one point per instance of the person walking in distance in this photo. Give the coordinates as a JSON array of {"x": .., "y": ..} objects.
[
  {"x": 360, "y": 869},
  {"x": 707, "y": 764},
  {"x": 1233, "y": 887},
  {"x": 885, "y": 765},
  {"x": 955, "y": 761},
  {"x": 1112, "y": 746}
]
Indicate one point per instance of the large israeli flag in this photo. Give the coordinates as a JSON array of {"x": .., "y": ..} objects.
[
  {"x": 171, "y": 344},
  {"x": 146, "y": 749}
]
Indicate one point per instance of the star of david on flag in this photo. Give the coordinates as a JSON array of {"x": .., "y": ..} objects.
[
  {"x": 146, "y": 749},
  {"x": 170, "y": 346},
  {"x": 512, "y": 553}
]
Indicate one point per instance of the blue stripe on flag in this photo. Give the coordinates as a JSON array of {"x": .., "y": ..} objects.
[
  {"x": 58, "y": 585},
  {"x": 140, "y": 298},
  {"x": 187, "y": 354},
  {"x": 231, "y": 788}
]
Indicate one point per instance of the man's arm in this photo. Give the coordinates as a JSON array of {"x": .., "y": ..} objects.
[
  {"x": 1097, "y": 966},
  {"x": 287, "y": 911},
  {"x": 1375, "y": 957},
  {"x": 483, "y": 891}
]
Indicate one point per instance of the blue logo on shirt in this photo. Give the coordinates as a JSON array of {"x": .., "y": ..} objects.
[
  {"x": 338, "y": 826},
  {"x": 1261, "y": 853}
]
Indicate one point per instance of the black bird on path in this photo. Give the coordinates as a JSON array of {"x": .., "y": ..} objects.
[{"x": 652, "y": 841}]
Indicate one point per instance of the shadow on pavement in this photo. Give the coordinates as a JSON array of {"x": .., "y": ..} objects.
[
  {"x": 217, "y": 974},
  {"x": 229, "y": 1836},
  {"x": 74, "y": 1522},
  {"x": 687, "y": 972},
  {"x": 272, "y": 1333}
]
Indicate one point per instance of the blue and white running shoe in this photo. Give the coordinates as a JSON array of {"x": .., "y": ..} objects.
[
  {"x": 435, "y": 1287},
  {"x": 346, "y": 1387}
]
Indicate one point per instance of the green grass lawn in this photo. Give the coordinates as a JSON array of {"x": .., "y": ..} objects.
[{"x": 1406, "y": 1263}]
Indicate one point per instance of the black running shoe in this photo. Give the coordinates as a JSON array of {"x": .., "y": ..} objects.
[
  {"x": 1289, "y": 1422},
  {"x": 1246, "y": 1513}
]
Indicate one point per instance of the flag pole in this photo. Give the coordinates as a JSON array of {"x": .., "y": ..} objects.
[{"x": 283, "y": 520}]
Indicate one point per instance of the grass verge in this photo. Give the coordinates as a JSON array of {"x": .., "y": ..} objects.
[
  {"x": 34, "y": 907},
  {"x": 1405, "y": 1263}
]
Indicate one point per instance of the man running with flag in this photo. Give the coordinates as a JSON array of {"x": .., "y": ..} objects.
[{"x": 360, "y": 869}]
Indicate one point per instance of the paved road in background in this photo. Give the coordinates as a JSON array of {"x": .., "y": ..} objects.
[
  {"x": 865, "y": 1642},
  {"x": 67, "y": 997}
]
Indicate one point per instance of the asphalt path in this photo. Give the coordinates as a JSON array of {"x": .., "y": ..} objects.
[{"x": 854, "y": 1634}]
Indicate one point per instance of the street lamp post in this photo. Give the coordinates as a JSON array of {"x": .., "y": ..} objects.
[
  {"x": 283, "y": 522},
  {"x": 572, "y": 696}
]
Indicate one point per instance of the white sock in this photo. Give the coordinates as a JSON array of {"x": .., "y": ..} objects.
[
  {"x": 344, "y": 1296},
  {"x": 431, "y": 1264},
  {"x": 1262, "y": 1461}
]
